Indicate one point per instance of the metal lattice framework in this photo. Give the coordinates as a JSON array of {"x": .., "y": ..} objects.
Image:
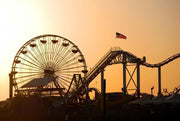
[
  {"x": 47, "y": 64},
  {"x": 115, "y": 56}
]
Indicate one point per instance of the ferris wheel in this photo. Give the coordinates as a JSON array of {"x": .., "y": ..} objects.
[{"x": 47, "y": 64}]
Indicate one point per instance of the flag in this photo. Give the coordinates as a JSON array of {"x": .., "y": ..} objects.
[{"x": 119, "y": 35}]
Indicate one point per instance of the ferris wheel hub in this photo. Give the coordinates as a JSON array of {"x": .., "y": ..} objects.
[{"x": 49, "y": 72}]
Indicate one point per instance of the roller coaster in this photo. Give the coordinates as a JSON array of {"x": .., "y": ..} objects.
[
  {"x": 51, "y": 64},
  {"x": 115, "y": 56}
]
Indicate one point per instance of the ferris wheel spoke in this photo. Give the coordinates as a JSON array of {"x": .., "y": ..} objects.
[
  {"x": 66, "y": 58},
  {"x": 23, "y": 72},
  {"x": 70, "y": 68},
  {"x": 47, "y": 50},
  {"x": 38, "y": 55},
  {"x": 69, "y": 60},
  {"x": 57, "y": 46},
  {"x": 72, "y": 55},
  {"x": 63, "y": 56},
  {"x": 64, "y": 50},
  {"x": 69, "y": 75},
  {"x": 70, "y": 64},
  {"x": 57, "y": 54},
  {"x": 69, "y": 71},
  {"x": 65, "y": 84},
  {"x": 61, "y": 85},
  {"x": 24, "y": 80},
  {"x": 29, "y": 69},
  {"x": 66, "y": 54},
  {"x": 54, "y": 48},
  {"x": 66, "y": 77},
  {"x": 43, "y": 51},
  {"x": 59, "y": 59},
  {"x": 28, "y": 75},
  {"x": 34, "y": 49},
  {"x": 35, "y": 58},
  {"x": 39, "y": 49},
  {"x": 31, "y": 62},
  {"x": 65, "y": 81},
  {"x": 31, "y": 66}
]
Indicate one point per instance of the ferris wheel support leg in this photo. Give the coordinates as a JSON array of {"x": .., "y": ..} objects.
[
  {"x": 159, "y": 80},
  {"x": 10, "y": 86}
]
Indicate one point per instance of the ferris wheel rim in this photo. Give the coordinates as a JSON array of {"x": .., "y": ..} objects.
[{"x": 36, "y": 38}]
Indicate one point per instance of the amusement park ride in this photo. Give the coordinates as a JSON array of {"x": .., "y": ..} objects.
[{"x": 51, "y": 65}]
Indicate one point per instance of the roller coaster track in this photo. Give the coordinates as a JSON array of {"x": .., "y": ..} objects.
[
  {"x": 166, "y": 61},
  {"x": 114, "y": 56}
]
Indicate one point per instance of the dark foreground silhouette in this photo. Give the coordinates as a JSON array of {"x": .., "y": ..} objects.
[{"x": 43, "y": 109}]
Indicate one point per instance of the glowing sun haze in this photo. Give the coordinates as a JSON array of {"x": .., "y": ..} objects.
[{"x": 152, "y": 28}]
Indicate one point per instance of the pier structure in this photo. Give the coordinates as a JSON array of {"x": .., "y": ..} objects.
[{"x": 53, "y": 65}]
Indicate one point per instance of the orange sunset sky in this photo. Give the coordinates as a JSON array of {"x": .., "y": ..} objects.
[{"x": 152, "y": 28}]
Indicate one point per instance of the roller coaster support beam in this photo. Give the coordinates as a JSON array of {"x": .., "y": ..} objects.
[
  {"x": 124, "y": 74},
  {"x": 159, "y": 80},
  {"x": 103, "y": 93},
  {"x": 104, "y": 100},
  {"x": 138, "y": 80},
  {"x": 124, "y": 79},
  {"x": 10, "y": 86},
  {"x": 102, "y": 81}
]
